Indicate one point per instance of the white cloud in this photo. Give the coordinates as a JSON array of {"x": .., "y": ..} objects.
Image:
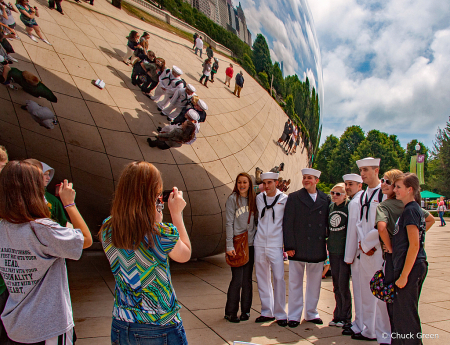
[{"x": 404, "y": 88}]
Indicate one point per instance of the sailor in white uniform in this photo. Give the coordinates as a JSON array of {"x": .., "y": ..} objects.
[
  {"x": 268, "y": 246},
  {"x": 169, "y": 82},
  {"x": 353, "y": 188},
  {"x": 179, "y": 100},
  {"x": 375, "y": 318}
]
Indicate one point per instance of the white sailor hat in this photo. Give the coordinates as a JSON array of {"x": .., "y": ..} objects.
[
  {"x": 309, "y": 171},
  {"x": 368, "y": 162},
  {"x": 193, "y": 114},
  {"x": 190, "y": 87},
  {"x": 269, "y": 176},
  {"x": 352, "y": 177},
  {"x": 202, "y": 104},
  {"x": 177, "y": 70}
]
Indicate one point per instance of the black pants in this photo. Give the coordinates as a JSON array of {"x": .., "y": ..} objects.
[
  {"x": 206, "y": 77},
  {"x": 405, "y": 320},
  {"x": 388, "y": 279},
  {"x": 149, "y": 85},
  {"x": 51, "y": 4},
  {"x": 3, "y": 335},
  {"x": 340, "y": 273},
  {"x": 136, "y": 73},
  {"x": 241, "y": 278}
]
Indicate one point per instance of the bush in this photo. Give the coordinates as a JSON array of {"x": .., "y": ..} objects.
[
  {"x": 264, "y": 80},
  {"x": 436, "y": 214}
]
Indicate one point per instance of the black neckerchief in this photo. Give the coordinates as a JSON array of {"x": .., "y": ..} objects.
[
  {"x": 367, "y": 204},
  {"x": 268, "y": 207}
]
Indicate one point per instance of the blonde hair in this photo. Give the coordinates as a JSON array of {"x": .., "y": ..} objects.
[
  {"x": 342, "y": 186},
  {"x": 393, "y": 175}
]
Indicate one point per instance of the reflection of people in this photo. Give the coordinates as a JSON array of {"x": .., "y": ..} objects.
[
  {"x": 31, "y": 84},
  {"x": 240, "y": 213},
  {"x": 441, "y": 209},
  {"x": 138, "y": 246},
  {"x": 199, "y": 46},
  {"x": 26, "y": 228},
  {"x": 28, "y": 16},
  {"x": 340, "y": 270},
  {"x": 175, "y": 136},
  {"x": 239, "y": 84},
  {"x": 42, "y": 115},
  {"x": 229, "y": 74},
  {"x": 409, "y": 259},
  {"x": 269, "y": 251},
  {"x": 305, "y": 229},
  {"x": 179, "y": 100}
]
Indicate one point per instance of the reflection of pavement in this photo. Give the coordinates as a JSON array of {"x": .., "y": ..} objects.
[
  {"x": 101, "y": 130},
  {"x": 201, "y": 288}
]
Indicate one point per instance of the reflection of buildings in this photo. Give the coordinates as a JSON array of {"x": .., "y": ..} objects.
[{"x": 223, "y": 13}]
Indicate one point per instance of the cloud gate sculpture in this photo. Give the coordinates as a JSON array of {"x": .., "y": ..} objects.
[{"x": 100, "y": 131}]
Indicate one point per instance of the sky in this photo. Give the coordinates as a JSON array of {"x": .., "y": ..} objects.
[{"x": 386, "y": 64}]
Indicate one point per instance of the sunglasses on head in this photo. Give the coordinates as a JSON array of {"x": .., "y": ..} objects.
[
  {"x": 336, "y": 193},
  {"x": 386, "y": 181}
]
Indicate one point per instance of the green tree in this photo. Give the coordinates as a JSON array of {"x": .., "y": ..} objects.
[
  {"x": 378, "y": 145},
  {"x": 440, "y": 154},
  {"x": 323, "y": 158},
  {"x": 278, "y": 80},
  {"x": 290, "y": 106},
  {"x": 248, "y": 65},
  {"x": 341, "y": 162},
  {"x": 261, "y": 55},
  {"x": 263, "y": 78}
]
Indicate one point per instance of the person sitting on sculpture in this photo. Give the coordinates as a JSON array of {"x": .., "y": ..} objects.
[
  {"x": 195, "y": 103},
  {"x": 176, "y": 136},
  {"x": 31, "y": 84}
]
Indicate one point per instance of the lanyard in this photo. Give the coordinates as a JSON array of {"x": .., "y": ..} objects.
[
  {"x": 367, "y": 204},
  {"x": 268, "y": 207}
]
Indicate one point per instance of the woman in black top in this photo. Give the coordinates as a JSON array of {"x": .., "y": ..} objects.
[
  {"x": 340, "y": 270},
  {"x": 132, "y": 45},
  {"x": 410, "y": 263}
]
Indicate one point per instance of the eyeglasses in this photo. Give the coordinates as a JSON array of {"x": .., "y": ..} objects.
[
  {"x": 159, "y": 203},
  {"x": 388, "y": 182},
  {"x": 336, "y": 193}
]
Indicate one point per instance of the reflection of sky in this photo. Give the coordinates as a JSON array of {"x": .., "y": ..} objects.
[{"x": 289, "y": 30}]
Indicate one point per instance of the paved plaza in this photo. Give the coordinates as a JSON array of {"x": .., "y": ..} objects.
[{"x": 201, "y": 289}]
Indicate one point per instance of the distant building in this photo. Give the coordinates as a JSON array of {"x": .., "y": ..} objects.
[
  {"x": 224, "y": 14},
  {"x": 281, "y": 67}
]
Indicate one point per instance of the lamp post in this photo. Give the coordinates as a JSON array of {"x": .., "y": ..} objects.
[{"x": 417, "y": 147}]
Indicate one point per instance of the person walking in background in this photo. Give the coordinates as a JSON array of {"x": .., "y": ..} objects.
[
  {"x": 409, "y": 260},
  {"x": 199, "y": 46},
  {"x": 28, "y": 16},
  {"x": 132, "y": 45},
  {"x": 207, "y": 65},
  {"x": 239, "y": 84},
  {"x": 138, "y": 245},
  {"x": 209, "y": 52},
  {"x": 215, "y": 68},
  {"x": 441, "y": 208},
  {"x": 229, "y": 74},
  {"x": 25, "y": 227},
  {"x": 7, "y": 18},
  {"x": 52, "y": 3},
  {"x": 340, "y": 270},
  {"x": 240, "y": 219},
  {"x": 195, "y": 40}
]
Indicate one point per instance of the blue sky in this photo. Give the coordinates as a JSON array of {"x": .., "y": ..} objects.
[{"x": 386, "y": 64}]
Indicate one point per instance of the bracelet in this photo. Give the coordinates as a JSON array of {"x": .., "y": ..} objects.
[{"x": 72, "y": 204}]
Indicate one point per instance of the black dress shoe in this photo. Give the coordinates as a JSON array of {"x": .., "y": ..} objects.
[
  {"x": 348, "y": 331},
  {"x": 261, "y": 319},
  {"x": 317, "y": 321},
  {"x": 282, "y": 323},
  {"x": 151, "y": 143},
  {"x": 359, "y": 336},
  {"x": 159, "y": 129},
  {"x": 24, "y": 107},
  {"x": 233, "y": 319},
  {"x": 244, "y": 316},
  {"x": 293, "y": 324},
  {"x": 159, "y": 109}
]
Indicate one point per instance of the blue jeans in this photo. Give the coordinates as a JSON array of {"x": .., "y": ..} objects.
[
  {"x": 127, "y": 333},
  {"x": 441, "y": 215}
]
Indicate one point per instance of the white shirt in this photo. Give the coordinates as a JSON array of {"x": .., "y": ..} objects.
[
  {"x": 313, "y": 196},
  {"x": 199, "y": 43},
  {"x": 168, "y": 81},
  {"x": 351, "y": 244},
  {"x": 270, "y": 230}
]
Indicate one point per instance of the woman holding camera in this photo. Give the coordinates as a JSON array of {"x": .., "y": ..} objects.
[
  {"x": 138, "y": 246},
  {"x": 28, "y": 16},
  {"x": 240, "y": 218},
  {"x": 34, "y": 249}
]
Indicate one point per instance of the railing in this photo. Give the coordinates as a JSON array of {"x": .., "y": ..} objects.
[{"x": 174, "y": 21}]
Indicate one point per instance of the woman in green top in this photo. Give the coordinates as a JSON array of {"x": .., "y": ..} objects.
[
  {"x": 340, "y": 270},
  {"x": 388, "y": 212},
  {"x": 28, "y": 16}
]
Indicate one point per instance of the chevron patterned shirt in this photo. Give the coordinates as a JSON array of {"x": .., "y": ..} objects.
[{"x": 144, "y": 291}]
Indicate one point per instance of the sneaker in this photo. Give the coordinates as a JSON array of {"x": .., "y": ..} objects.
[
  {"x": 33, "y": 38},
  {"x": 332, "y": 323},
  {"x": 12, "y": 59},
  {"x": 339, "y": 324},
  {"x": 45, "y": 41},
  {"x": 12, "y": 87}
]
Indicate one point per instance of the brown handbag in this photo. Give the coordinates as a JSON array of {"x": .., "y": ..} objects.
[{"x": 240, "y": 243}]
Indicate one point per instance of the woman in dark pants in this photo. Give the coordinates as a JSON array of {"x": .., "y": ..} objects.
[
  {"x": 240, "y": 217},
  {"x": 409, "y": 261}
]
